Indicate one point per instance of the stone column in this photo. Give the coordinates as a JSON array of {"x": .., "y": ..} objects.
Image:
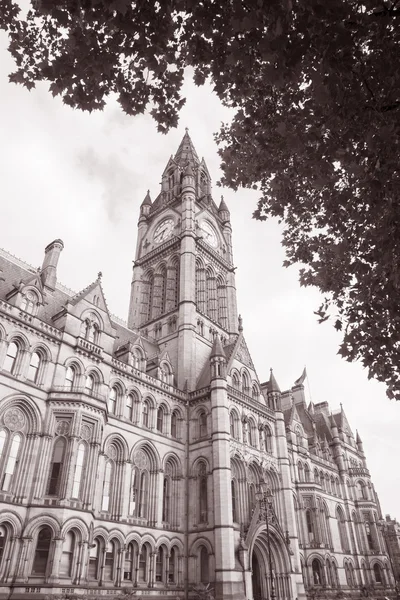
[{"x": 55, "y": 562}]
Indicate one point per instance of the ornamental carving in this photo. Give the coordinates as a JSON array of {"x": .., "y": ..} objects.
[
  {"x": 243, "y": 354},
  {"x": 140, "y": 460},
  {"x": 86, "y": 432},
  {"x": 62, "y": 427},
  {"x": 14, "y": 419},
  {"x": 112, "y": 451}
]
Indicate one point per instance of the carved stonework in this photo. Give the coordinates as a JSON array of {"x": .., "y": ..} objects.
[
  {"x": 112, "y": 451},
  {"x": 243, "y": 354},
  {"x": 62, "y": 428},
  {"x": 86, "y": 431},
  {"x": 14, "y": 419},
  {"x": 140, "y": 459}
]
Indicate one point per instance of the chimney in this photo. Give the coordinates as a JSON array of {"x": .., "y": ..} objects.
[{"x": 48, "y": 273}]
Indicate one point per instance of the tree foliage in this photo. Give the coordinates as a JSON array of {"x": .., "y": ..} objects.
[{"x": 315, "y": 85}]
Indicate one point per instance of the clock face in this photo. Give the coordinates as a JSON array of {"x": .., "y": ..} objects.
[
  {"x": 209, "y": 234},
  {"x": 163, "y": 231}
]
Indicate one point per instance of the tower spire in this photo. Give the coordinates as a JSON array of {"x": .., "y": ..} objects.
[{"x": 186, "y": 152}]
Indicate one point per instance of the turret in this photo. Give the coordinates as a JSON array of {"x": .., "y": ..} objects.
[
  {"x": 274, "y": 392},
  {"x": 188, "y": 180},
  {"x": 223, "y": 211},
  {"x": 336, "y": 446},
  {"x": 146, "y": 205},
  {"x": 217, "y": 360},
  {"x": 48, "y": 273}
]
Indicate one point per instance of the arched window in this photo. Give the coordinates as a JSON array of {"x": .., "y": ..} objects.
[
  {"x": 310, "y": 525},
  {"x": 80, "y": 461},
  {"x": 129, "y": 407},
  {"x": 232, "y": 424},
  {"x": 70, "y": 377},
  {"x": 344, "y": 542},
  {"x": 29, "y": 302},
  {"x": 236, "y": 381},
  {"x": 160, "y": 564},
  {"x": 11, "y": 463},
  {"x": 245, "y": 383},
  {"x": 41, "y": 556},
  {"x": 173, "y": 557},
  {"x": 11, "y": 359},
  {"x": 316, "y": 571},
  {"x": 110, "y": 562},
  {"x": 143, "y": 559},
  {"x": 300, "y": 470},
  {"x": 130, "y": 561},
  {"x": 3, "y": 541},
  {"x": 202, "y": 424},
  {"x": 89, "y": 383},
  {"x": 253, "y": 434},
  {"x": 306, "y": 472},
  {"x": 254, "y": 392},
  {"x": 338, "y": 488},
  {"x": 96, "y": 333},
  {"x": 143, "y": 495},
  {"x": 234, "y": 501},
  {"x": 34, "y": 365},
  {"x": 222, "y": 303},
  {"x": 94, "y": 555},
  {"x": 204, "y": 570},
  {"x": 370, "y": 539},
  {"x": 252, "y": 498},
  {"x": 53, "y": 486},
  {"x": 67, "y": 555},
  {"x": 316, "y": 476},
  {"x": 328, "y": 573},
  {"x": 361, "y": 491},
  {"x": 166, "y": 499},
  {"x": 203, "y": 500},
  {"x": 112, "y": 400},
  {"x": 160, "y": 419},
  {"x": 322, "y": 480},
  {"x": 200, "y": 288},
  {"x": 212, "y": 302},
  {"x": 107, "y": 486},
  {"x": 145, "y": 414},
  {"x": 268, "y": 440},
  {"x": 174, "y": 424},
  {"x": 378, "y": 573}
]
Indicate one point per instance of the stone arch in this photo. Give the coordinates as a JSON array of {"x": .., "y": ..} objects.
[
  {"x": 175, "y": 462},
  {"x": 96, "y": 372},
  {"x": 119, "y": 443},
  {"x": 13, "y": 521},
  {"x": 40, "y": 521},
  {"x": 93, "y": 316},
  {"x": 27, "y": 406},
  {"x": 42, "y": 349},
  {"x": 147, "y": 538},
  {"x": 19, "y": 338},
  {"x": 133, "y": 536},
  {"x": 151, "y": 452},
  {"x": 73, "y": 361},
  {"x": 77, "y": 525},
  {"x": 116, "y": 534},
  {"x": 201, "y": 541},
  {"x": 197, "y": 463},
  {"x": 99, "y": 532}
]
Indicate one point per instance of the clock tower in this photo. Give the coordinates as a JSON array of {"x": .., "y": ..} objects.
[{"x": 183, "y": 286}]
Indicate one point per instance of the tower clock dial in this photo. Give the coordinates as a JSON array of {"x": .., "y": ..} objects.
[
  {"x": 209, "y": 234},
  {"x": 163, "y": 231}
]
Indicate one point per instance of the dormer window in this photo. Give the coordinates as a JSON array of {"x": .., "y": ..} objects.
[{"x": 29, "y": 302}]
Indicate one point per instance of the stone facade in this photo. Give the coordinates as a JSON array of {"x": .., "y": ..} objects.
[{"x": 130, "y": 453}]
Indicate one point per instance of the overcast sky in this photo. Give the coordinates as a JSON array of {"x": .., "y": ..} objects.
[{"x": 80, "y": 177}]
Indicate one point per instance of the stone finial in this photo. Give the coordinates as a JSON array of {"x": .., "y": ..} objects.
[{"x": 240, "y": 323}]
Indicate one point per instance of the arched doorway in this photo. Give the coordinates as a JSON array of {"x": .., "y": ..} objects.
[
  {"x": 256, "y": 578},
  {"x": 261, "y": 576}
]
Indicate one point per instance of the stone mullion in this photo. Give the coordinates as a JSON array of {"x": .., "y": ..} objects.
[
  {"x": 45, "y": 450},
  {"x": 24, "y": 559},
  {"x": 11, "y": 559},
  {"x": 201, "y": 290},
  {"x": 69, "y": 467},
  {"x": 157, "y": 295},
  {"x": 222, "y": 306},
  {"x": 152, "y": 568},
  {"x": 212, "y": 302},
  {"x": 126, "y": 489},
  {"x": 98, "y": 493},
  {"x": 136, "y": 568},
  {"x": 53, "y": 576},
  {"x": 170, "y": 293},
  {"x": 120, "y": 564},
  {"x": 26, "y": 470},
  {"x": 119, "y": 488},
  {"x": 77, "y": 569},
  {"x": 89, "y": 474}
]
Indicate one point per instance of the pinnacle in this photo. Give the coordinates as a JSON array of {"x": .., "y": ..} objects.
[
  {"x": 217, "y": 349},
  {"x": 223, "y": 205},
  {"x": 273, "y": 384},
  {"x": 147, "y": 199},
  {"x": 186, "y": 151}
]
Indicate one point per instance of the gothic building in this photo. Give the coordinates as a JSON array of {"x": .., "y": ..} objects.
[{"x": 131, "y": 453}]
